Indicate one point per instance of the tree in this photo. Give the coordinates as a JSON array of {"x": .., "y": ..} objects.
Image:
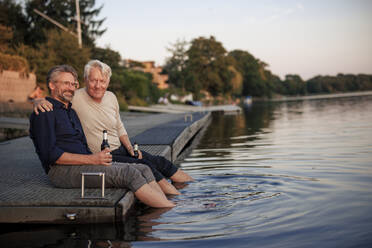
[
  {"x": 175, "y": 65},
  {"x": 108, "y": 56},
  {"x": 236, "y": 82},
  {"x": 11, "y": 16},
  {"x": 249, "y": 67},
  {"x": 294, "y": 85},
  {"x": 209, "y": 66},
  {"x": 60, "y": 48},
  {"x": 64, "y": 12},
  {"x": 340, "y": 83},
  {"x": 274, "y": 84},
  {"x": 135, "y": 86},
  {"x": 6, "y": 36}
]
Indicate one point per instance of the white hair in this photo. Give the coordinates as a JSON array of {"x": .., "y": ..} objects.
[{"x": 104, "y": 68}]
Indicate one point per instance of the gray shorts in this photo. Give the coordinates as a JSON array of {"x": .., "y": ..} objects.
[{"x": 118, "y": 175}]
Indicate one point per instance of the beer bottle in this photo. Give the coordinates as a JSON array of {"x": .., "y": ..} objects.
[
  {"x": 105, "y": 143},
  {"x": 135, "y": 150}
]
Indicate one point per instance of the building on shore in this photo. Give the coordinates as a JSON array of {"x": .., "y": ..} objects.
[
  {"x": 149, "y": 67},
  {"x": 16, "y": 86}
]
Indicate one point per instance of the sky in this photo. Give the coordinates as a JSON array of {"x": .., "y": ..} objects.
[{"x": 308, "y": 38}]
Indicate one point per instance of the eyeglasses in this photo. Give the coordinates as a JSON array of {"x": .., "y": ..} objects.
[{"x": 69, "y": 84}]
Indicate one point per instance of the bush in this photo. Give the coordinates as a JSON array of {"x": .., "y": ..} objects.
[
  {"x": 123, "y": 105},
  {"x": 136, "y": 101},
  {"x": 13, "y": 63}
]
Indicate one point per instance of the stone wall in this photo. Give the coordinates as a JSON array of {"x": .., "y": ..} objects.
[{"x": 16, "y": 86}]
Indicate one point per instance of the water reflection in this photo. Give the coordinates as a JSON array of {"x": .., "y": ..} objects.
[{"x": 66, "y": 236}]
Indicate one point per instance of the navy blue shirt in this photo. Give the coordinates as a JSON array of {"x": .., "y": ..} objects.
[{"x": 56, "y": 132}]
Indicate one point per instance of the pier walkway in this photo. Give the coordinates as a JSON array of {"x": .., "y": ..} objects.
[
  {"x": 27, "y": 196},
  {"x": 182, "y": 108}
]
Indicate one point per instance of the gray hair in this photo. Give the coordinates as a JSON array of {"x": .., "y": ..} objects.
[
  {"x": 56, "y": 70},
  {"x": 104, "y": 68}
]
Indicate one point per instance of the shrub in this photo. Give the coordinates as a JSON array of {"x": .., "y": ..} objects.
[{"x": 13, "y": 63}]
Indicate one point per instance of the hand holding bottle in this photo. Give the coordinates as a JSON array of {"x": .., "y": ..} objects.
[
  {"x": 102, "y": 158},
  {"x": 105, "y": 143},
  {"x": 136, "y": 152}
]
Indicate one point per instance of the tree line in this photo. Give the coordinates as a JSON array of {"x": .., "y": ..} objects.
[
  {"x": 201, "y": 66},
  {"x": 204, "y": 65}
]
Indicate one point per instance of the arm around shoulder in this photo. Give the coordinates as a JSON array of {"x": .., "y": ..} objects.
[{"x": 42, "y": 104}]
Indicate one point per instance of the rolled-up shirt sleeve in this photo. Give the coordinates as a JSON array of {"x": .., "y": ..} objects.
[{"x": 42, "y": 132}]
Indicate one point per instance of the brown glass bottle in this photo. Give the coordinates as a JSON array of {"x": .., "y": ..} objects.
[{"x": 105, "y": 143}]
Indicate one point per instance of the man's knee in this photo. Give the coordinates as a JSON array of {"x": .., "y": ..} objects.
[
  {"x": 131, "y": 177},
  {"x": 146, "y": 172}
]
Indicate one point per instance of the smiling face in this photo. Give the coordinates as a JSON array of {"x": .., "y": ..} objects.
[
  {"x": 63, "y": 87},
  {"x": 96, "y": 84}
]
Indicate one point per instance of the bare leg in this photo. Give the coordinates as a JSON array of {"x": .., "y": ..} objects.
[
  {"x": 153, "y": 198},
  {"x": 155, "y": 186},
  {"x": 168, "y": 188},
  {"x": 180, "y": 177},
  {"x": 179, "y": 186}
]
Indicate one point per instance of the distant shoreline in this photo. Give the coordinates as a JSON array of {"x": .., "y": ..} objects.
[{"x": 314, "y": 97}]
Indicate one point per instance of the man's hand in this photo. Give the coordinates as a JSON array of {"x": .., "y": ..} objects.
[
  {"x": 102, "y": 158},
  {"x": 139, "y": 154},
  {"x": 42, "y": 105},
  {"x": 131, "y": 152}
]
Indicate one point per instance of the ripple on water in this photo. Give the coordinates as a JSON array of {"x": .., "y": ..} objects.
[
  {"x": 290, "y": 175},
  {"x": 216, "y": 205}
]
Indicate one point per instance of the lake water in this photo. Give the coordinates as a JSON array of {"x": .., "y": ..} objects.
[{"x": 294, "y": 174}]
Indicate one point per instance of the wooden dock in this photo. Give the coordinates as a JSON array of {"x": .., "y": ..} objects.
[
  {"x": 182, "y": 108},
  {"x": 27, "y": 196}
]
